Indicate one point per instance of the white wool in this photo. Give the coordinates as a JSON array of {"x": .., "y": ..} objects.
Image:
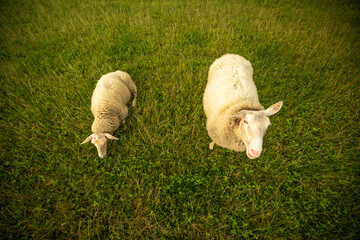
[
  {"x": 229, "y": 81},
  {"x": 109, "y": 101},
  {"x": 231, "y": 89},
  {"x": 109, "y": 107}
]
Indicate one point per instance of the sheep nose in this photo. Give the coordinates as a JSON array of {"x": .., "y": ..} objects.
[{"x": 255, "y": 153}]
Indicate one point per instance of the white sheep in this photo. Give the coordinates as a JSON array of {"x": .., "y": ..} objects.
[
  {"x": 235, "y": 118},
  {"x": 108, "y": 105}
]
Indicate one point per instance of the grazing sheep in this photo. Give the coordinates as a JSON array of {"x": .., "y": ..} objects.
[
  {"x": 235, "y": 118},
  {"x": 108, "y": 105}
]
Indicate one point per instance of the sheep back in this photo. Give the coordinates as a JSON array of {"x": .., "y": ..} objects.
[
  {"x": 230, "y": 89},
  {"x": 109, "y": 100}
]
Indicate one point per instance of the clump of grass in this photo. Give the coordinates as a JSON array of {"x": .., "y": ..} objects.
[{"x": 160, "y": 180}]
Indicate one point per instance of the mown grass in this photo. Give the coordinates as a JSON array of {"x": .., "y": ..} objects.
[{"x": 160, "y": 181}]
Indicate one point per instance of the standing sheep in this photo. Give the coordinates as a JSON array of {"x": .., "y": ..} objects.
[
  {"x": 235, "y": 118},
  {"x": 108, "y": 105}
]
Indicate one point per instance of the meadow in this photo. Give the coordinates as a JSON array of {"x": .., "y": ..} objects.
[{"x": 160, "y": 180}]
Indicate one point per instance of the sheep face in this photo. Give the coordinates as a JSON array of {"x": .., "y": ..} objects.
[
  {"x": 252, "y": 128},
  {"x": 100, "y": 142}
]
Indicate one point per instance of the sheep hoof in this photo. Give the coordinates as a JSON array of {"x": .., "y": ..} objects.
[
  {"x": 133, "y": 104},
  {"x": 211, "y": 146}
]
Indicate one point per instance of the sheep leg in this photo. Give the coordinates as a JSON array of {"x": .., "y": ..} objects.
[
  {"x": 211, "y": 145},
  {"x": 125, "y": 78},
  {"x": 133, "y": 104}
]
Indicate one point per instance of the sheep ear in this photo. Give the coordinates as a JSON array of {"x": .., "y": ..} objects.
[
  {"x": 88, "y": 139},
  {"x": 109, "y": 136},
  {"x": 240, "y": 114},
  {"x": 273, "y": 109}
]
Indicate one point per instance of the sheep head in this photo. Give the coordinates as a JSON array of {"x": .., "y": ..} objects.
[
  {"x": 252, "y": 128},
  {"x": 100, "y": 142}
]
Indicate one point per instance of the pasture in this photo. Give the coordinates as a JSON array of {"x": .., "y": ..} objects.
[{"x": 159, "y": 180}]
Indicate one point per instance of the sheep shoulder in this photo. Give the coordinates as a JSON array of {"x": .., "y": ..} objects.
[
  {"x": 223, "y": 127},
  {"x": 107, "y": 118}
]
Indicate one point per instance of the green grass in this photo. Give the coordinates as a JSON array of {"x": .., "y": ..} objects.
[{"x": 160, "y": 181}]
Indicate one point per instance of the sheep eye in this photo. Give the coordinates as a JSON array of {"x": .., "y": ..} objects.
[{"x": 246, "y": 122}]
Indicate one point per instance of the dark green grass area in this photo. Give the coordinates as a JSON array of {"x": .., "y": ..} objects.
[{"x": 159, "y": 180}]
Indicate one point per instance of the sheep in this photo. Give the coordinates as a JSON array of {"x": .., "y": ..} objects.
[
  {"x": 235, "y": 118},
  {"x": 108, "y": 105}
]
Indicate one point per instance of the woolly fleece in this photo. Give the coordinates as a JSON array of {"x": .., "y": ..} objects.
[
  {"x": 108, "y": 104},
  {"x": 229, "y": 90}
]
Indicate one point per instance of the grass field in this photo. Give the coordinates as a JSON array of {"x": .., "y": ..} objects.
[{"x": 159, "y": 180}]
